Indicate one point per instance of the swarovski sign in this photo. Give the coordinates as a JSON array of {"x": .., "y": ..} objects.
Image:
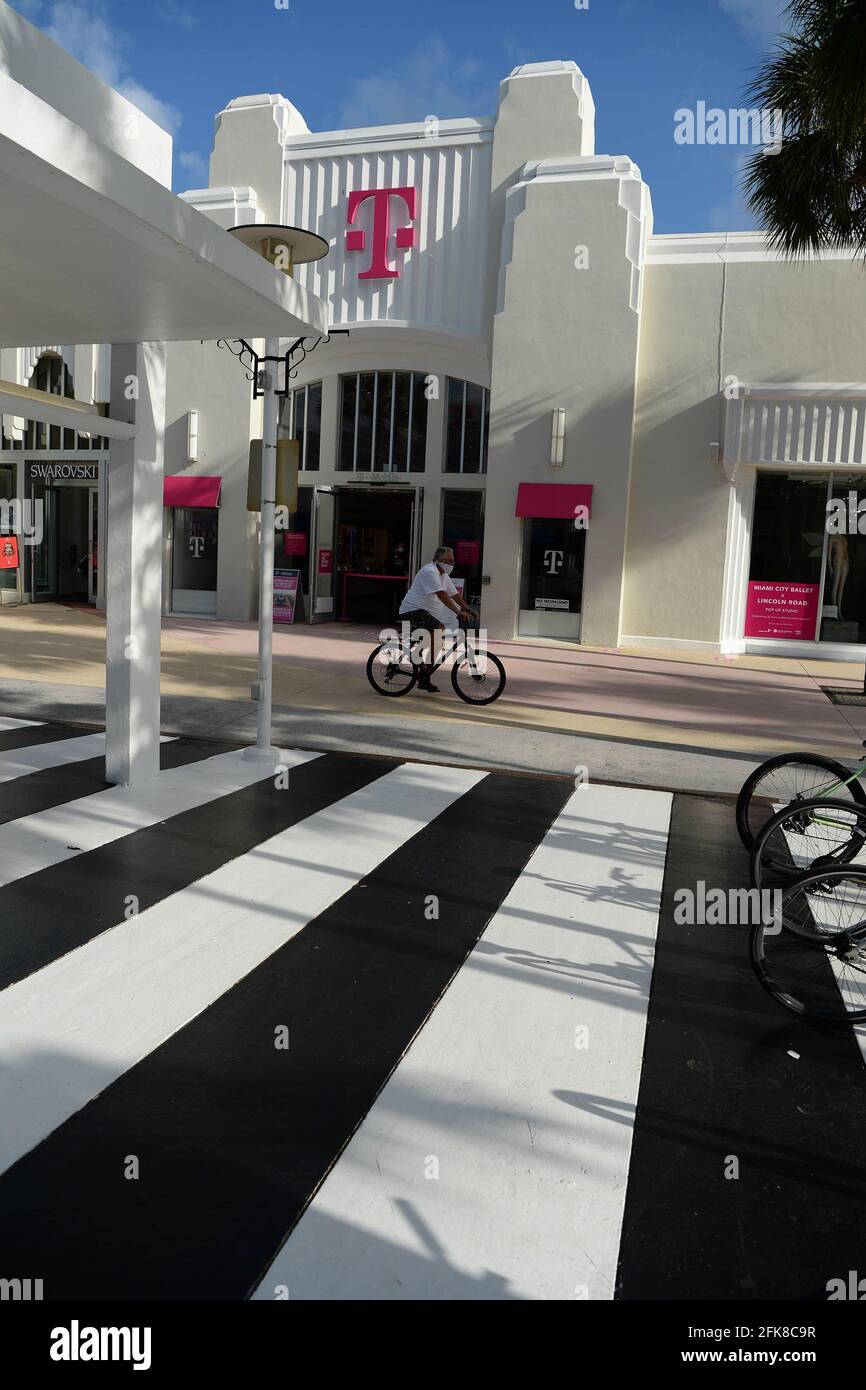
[
  {"x": 64, "y": 472},
  {"x": 356, "y": 238}
]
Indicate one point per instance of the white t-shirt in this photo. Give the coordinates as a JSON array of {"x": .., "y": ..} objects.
[{"x": 429, "y": 582}]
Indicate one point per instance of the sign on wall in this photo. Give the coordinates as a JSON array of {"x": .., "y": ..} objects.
[
  {"x": 64, "y": 472},
  {"x": 783, "y": 611},
  {"x": 326, "y": 562},
  {"x": 383, "y": 200}
]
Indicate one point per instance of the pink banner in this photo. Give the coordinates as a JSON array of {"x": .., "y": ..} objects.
[{"x": 783, "y": 611}]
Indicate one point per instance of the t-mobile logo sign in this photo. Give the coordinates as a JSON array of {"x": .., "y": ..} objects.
[{"x": 356, "y": 239}]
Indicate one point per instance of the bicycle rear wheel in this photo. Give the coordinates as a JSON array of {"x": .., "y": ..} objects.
[
  {"x": 391, "y": 672},
  {"x": 817, "y": 834},
  {"x": 791, "y": 777},
  {"x": 813, "y": 960}
]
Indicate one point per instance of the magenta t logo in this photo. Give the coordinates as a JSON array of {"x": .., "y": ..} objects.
[{"x": 357, "y": 240}]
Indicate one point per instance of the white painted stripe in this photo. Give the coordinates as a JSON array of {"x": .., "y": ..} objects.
[
  {"x": 494, "y": 1163},
  {"x": 73, "y": 1028},
  {"x": 19, "y": 762},
  {"x": 9, "y": 725},
  {"x": 50, "y": 837}
]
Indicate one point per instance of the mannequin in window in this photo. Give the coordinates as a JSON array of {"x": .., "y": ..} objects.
[{"x": 839, "y": 565}]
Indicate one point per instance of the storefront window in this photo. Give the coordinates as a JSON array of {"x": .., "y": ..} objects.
[
  {"x": 787, "y": 550},
  {"x": 292, "y": 545},
  {"x": 551, "y": 585},
  {"x": 383, "y": 423},
  {"x": 306, "y": 426},
  {"x": 467, "y": 427},
  {"x": 194, "y": 560},
  {"x": 8, "y": 578},
  {"x": 843, "y": 611},
  {"x": 463, "y": 531}
]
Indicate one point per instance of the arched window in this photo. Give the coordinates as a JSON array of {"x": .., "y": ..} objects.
[{"x": 52, "y": 375}]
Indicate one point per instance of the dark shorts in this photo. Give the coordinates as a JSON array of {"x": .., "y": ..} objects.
[{"x": 419, "y": 617}]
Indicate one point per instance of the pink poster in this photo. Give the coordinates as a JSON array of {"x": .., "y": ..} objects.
[
  {"x": 286, "y": 585},
  {"x": 296, "y": 543},
  {"x": 783, "y": 611},
  {"x": 467, "y": 552}
]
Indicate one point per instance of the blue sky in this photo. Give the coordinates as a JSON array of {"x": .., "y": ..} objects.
[{"x": 368, "y": 62}]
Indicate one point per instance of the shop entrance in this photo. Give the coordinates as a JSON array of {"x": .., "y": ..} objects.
[
  {"x": 355, "y": 551},
  {"x": 64, "y": 565},
  {"x": 374, "y": 552}
]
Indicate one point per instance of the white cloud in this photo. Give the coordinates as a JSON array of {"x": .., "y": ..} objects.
[
  {"x": 176, "y": 13},
  {"x": 195, "y": 165},
  {"x": 84, "y": 30},
  {"x": 759, "y": 19},
  {"x": 432, "y": 82}
]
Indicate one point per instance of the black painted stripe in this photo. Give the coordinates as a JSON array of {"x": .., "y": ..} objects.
[
  {"x": 718, "y": 1082},
  {"x": 55, "y": 786},
  {"x": 51, "y": 912},
  {"x": 28, "y": 737},
  {"x": 233, "y": 1136}
]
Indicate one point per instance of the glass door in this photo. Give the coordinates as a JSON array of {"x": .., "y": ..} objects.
[
  {"x": 324, "y": 579},
  {"x": 551, "y": 584},
  {"x": 92, "y": 544},
  {"x": 43, "y": 556},
  {"x": 416, "y": 560}
]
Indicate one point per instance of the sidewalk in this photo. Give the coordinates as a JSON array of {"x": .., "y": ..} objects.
[{"x": 590, "y": 706}]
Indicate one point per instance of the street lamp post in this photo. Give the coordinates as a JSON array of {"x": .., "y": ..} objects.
[{"x": 283, "y": 247}]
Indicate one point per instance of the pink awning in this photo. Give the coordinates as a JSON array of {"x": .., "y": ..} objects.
[
  {"x": 553, "y": 500},
  {"x": 192, "y": 492}
]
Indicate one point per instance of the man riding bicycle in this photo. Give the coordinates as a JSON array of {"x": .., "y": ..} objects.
[{"x": 433, "y": 603}]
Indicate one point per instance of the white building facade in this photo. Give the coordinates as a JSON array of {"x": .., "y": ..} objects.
[{"x": 628, "y": 439}]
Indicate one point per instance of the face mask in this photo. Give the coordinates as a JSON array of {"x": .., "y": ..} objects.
[{"x": 446, "y": 569}]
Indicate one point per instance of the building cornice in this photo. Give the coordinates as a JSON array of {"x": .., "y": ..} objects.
[
  {"x": 391, "y": 137},
  {"x": 710, "y": 248}
]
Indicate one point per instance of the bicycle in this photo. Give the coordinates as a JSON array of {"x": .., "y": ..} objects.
[
  {"x": 393, "y": 671},
  {"x": 789, "y": 780},
  {"x": 811, "y": 961},
  {"x": 821, "y": 833}
]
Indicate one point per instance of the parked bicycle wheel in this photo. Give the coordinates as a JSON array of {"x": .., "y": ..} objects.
[
  {"x": 479, "y": 680},
  {"x": 791, "y": 777},
  {"x": 821, "y": 833},
  {"x": 392, "y": 673},
  {"x": 814, "y": 959}
]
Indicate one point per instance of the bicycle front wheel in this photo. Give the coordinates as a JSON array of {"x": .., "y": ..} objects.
[
  {"x": 392, "y": 673},
  {"x": 774, "y": 785},
  {"x": 479, "y": 680},
  {"x": 819, "y": 834},
  {"x": 813, "y": 960}
]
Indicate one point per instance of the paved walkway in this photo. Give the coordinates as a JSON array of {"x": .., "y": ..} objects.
[
  {"x": 281, "y": 1042},
  {"x": 669, "y": 720}
]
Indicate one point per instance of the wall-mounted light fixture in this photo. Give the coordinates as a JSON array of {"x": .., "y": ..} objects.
[
  {"x": 192, "y": 436},
  {"x": 557, "y": 440}
]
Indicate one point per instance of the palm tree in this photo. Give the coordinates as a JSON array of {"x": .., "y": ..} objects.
[{"x": 810, "y": 194}]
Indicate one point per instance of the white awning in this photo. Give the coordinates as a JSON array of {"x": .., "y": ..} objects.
[{"x": 94, "y": 251}]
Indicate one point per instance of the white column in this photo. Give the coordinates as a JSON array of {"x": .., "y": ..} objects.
[
  {"x": 270, "y": 423},
  {"x": 134, "y": 564}
]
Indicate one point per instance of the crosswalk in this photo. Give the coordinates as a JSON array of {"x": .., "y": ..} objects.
[{"x": 378, "y": 1030}]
